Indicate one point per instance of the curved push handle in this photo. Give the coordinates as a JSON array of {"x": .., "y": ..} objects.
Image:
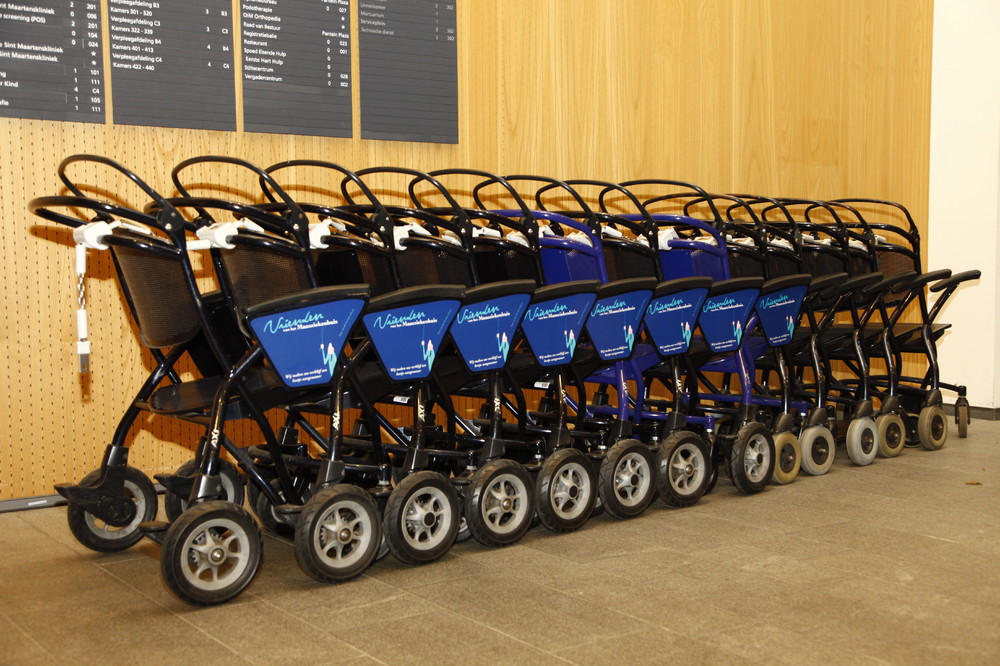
[
  {"x": 297, "y": 223},
  {"x": 265, "y": 218},
  {"x": 41, "y": 206},
  {"x": 883, "y": 202},
  {"x": 670, "y": 183},
  {"x": 417, "y": 176},
  {"x": 98, "y": 159},
  {"x": 322, "y": 164},
  {"x": 647, "y": 227},
  {"x": 477, "y": 190},
  {"x": 552, "y": 183}
]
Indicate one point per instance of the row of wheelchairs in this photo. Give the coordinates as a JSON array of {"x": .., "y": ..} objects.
[{"x": 561, "y": 347}]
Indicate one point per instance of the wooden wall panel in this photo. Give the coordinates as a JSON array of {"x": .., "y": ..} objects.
[{"x": 781, "y": 97}]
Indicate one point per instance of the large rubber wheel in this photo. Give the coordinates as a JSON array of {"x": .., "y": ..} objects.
[
  {"x": 932, "y": 427},
  {"x": 789, "y": 458},
  {"x": 211, "y": 553},
  {"x": 98, "y": 535},
  {"x": 421, "y": 518},
  {"x": 626, "y": 481},
  {"x": 684, "y": 469},
  {"x": 565, "y": 490},
  {"x": 232, "y": 488},
  {"x": 818, "y": 450},
  {"x": 751, "y": 461},
  {"x": 500, "y": 503},
  {"x": 863, "y": 442},
  {"x": 339, "y": 534},
  {"x": 962, "y": 420},
  {"x": 890, "y": 431},
  {"x": 713, "y": 476}
]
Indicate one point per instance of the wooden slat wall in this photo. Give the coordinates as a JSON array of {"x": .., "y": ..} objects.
[{"x": 782, "y": 97}]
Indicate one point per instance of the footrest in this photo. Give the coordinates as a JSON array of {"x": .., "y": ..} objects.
[
  {"x": 154, "y": 530},
  {"x": 288, "y": 513}
]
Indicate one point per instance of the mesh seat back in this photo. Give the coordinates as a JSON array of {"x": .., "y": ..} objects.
[
  {"x": 423, "y": 264},
  {"x": 354, "y": 265},
  {"x": 623, "y": 261},
  {"x": 162, "y": 301},
  {"x": 505, "y": 261},
  {"x": 744, "y": 262},
  {"x": 780, "y": 262},
  {"x": 258, "y": 273}
]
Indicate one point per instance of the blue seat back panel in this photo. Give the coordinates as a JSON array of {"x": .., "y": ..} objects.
[
  {"x": 407, "y": 338},
  {"x": 614, "y": 323},
  {"x": 723, "y": 318},
  {"x": 671, "y": 319},
  {"x": 553, "y": 327},
  {"x": 779, "y": 313},
  {"x": 483, "y": 331},
  {"x": 304, "y": 344}
]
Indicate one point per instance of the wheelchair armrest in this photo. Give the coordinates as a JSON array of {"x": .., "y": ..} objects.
[
  {"x": 561, "y": 289},
  {"x": 625, "y": 286},
  {"x": 784, "y": 282},
  {"x": 306, "y": 298},
  {"x": 492, "y": 290},
  {"x": 826, "y": 281},
  {"x": 956, "y": 279},
  {"x": 682, "y": 284},
  {"x": 414, "y": 295},
  {"x": 932, "y": 276},
  {"x": 735, "y": 284}
]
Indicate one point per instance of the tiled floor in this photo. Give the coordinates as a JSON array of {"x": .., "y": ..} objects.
[{"x": 892, "y": 563}]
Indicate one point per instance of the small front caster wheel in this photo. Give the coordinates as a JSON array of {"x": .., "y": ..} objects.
[
  {"x": 863, "y": 442},
  {"x": 932, "y": 427},
  {"x": 789, "y": 453}
]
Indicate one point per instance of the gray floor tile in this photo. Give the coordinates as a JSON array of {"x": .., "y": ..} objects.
[{"x": 891, "y": 563}]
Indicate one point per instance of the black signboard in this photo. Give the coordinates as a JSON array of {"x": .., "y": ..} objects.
[
  {"x": 51, "y": 60},
  {"x": 409, "y": 73},
  {"x": 297, "y": 66},
  {"x": 172, "y": 63}
]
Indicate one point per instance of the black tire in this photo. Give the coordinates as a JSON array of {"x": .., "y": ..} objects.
[
  {"x": 751, "y": 460},
  {"x": 962, "y": 420},
  {"x": 421, "y": 518},
  {"x": 713, "y": 476},
  {"x": 684, "y": 469},
  {"x": 626, "y": 482},
  {"x": 788, "y": 451},
  {"x": 500, "y": 503},
  {"x": 932, "y": 427},
  {"x": 232, "y": 488},
  {"x": 565, "y": 491},
  {"x": 819, "y": 449},
  {"x": 211, "y": 553},
  {"x": 102, "y": 537},
  {"x": 339, "y": 534}
]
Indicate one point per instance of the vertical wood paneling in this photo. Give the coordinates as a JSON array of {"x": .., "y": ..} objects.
[{"x": 782, "y": 97}]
